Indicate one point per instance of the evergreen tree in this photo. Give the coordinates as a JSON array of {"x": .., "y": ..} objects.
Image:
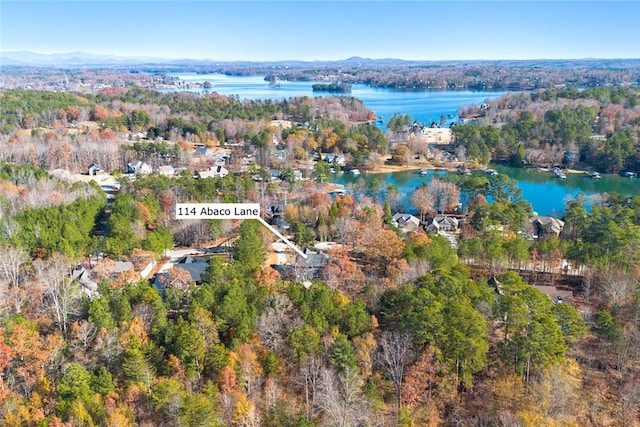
[
  {"x": 250, "y": 251},
  {"x": 387, "y": 217}
]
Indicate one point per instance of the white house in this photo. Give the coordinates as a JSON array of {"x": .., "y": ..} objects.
[
  {"x": 166, "y": 170},
  {"x": 442, "y": 224},
  {"x": 336, "y": 159},
  {"x": 94, "y": 169},
  {"x": 139, "y": 167},
  {"x": 213, "y": 172}
]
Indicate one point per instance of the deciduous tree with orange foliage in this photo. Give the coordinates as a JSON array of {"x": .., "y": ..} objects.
[
  {"x": 33, "y": 353},
  {"x": 342, "y": 273},
  {"x": 421, "y": 383},
  {"x": 379, "y": 249}
]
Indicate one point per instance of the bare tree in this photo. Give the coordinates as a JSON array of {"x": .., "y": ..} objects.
[
  {"x": 310, "y": 378},
  {"x": 82, "y": 334},
  {"x": 107, "y": 346},
  {"x": 276, "y": 322},
  {"x": 12, "y": 268},
  {"x": 507, "y": 419},
  {"x": 627, "y": 407},
  {"x": 81, "y": 338},
  {"x": 396, "y": 352},
  {"x": 423, "y": 200},
  {"x": 416, "y": 269},
  {"x": 61, "y": 294},
  {"x": 341, "y": 398},
  {"x": 618, "y": 286},
  {"x": 461, "y": 153},
  {"x": 445, "y": 195},
  {"x": 193, "y": 232}
]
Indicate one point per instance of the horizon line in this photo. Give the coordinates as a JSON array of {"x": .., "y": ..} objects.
[{"x": 141, "y": 58}]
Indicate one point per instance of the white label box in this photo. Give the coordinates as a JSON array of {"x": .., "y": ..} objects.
[{"x": 217, "y": 210}]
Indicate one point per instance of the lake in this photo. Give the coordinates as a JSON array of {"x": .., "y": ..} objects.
[
  {"x": 547, "y": 194},
  {"x": 423, "y": 105}
]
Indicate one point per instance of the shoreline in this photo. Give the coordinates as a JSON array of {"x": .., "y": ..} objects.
[{"x": 454, "y": 166}]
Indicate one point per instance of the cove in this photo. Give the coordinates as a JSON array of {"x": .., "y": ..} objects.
[{"x": 548, "y": 195}]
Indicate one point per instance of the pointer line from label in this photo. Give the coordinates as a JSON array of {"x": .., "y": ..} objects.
[{"x": 284, "y": 239}]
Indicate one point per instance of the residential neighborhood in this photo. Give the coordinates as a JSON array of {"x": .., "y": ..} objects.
[{"x": 396, "y": 272}]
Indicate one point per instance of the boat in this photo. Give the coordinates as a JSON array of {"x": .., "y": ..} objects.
[
  {"x": 355, "y": 171},
  {"x": 340, "y": 190},
  {"x": 465, "y": 172},
  {"x": 559, "y": 174},
  {"x": 491, "y": 172},
  {"x": 423, "y": 171},
  {"x": 630, "y": 174},
  {"x": 594, "y": 175}
]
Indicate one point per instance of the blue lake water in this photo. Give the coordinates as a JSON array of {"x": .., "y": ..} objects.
[
  {"x": 423, "y": 105},
  {"x": 547, "y": 194}
]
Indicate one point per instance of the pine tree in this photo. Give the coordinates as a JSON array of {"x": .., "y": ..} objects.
[{"x": 250, "y": 252}]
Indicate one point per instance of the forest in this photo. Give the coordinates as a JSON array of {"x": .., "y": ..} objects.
[
  {"x": 396, "y": 328},
  {"x": 597, "y": 129}
]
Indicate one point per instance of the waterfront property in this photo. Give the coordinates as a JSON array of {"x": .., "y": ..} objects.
[
  {"x": 406, "y": 222},
  {"x": 442, "y": 223},
  {"x": 544, "y": 226}
]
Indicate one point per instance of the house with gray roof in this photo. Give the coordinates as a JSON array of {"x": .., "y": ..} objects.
[
  {"x": 304, "y": 269},
  {"x": 84, "y": 278},
  {"x": 195, "y": 266},
  {"x": 202, "y": 151},
  {"x": 308, "y": 269},
  {"x": 406, "y": 222},
  {"x": 545, "y": 226},
  {"x": 441, "y": 224}
]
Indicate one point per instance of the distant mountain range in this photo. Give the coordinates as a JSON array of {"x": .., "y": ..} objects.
[
  {"x": 71, "y": 59},
  {"x": 82, "y": 59}
]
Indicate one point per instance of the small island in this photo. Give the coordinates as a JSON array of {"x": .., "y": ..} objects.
[{"x": 332, "y": 87}]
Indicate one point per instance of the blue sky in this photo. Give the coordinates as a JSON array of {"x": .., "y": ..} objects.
[{"x": 324, "y": 30}]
